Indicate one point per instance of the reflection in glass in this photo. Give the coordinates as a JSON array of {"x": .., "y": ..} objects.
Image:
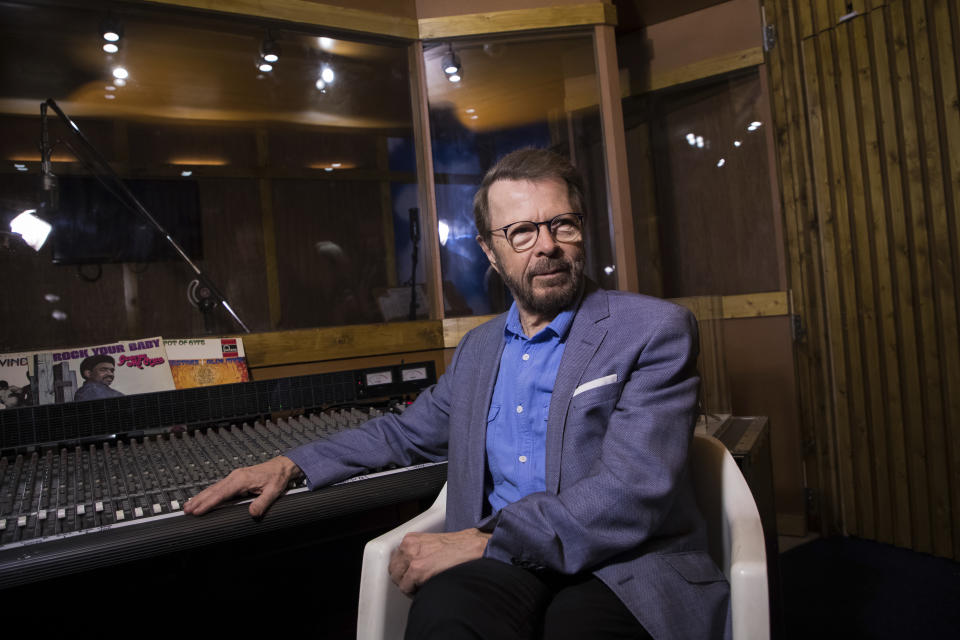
[
  {"x": 700, "y": 187},
  {"x": 297, "y": 200}
]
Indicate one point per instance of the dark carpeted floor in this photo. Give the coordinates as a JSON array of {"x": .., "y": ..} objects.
[{"x": 853, "y": 588}]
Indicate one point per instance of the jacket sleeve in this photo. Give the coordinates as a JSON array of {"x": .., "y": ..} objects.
[
  {"x": 420, "y": 433},
  {"x": 623, "y": 497}
]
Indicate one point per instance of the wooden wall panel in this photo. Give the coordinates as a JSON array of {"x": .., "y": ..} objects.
[{"x": 868, "y": 136}]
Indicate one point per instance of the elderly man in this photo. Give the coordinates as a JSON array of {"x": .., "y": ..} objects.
[
  {"x": 98, "y": 374},
  {"x": 566, "y": 423}
]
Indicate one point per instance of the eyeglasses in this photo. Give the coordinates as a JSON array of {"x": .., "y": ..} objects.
[{"x": 566, "y": 227}]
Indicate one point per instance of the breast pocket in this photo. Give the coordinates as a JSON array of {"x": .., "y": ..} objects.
[{"x": 606, "y": 395}]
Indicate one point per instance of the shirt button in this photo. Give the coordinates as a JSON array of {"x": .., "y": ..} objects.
[
  {"x": 519, "y": 408},
  {"x": 526, "y": 356},
  {"x": 522, "y": 458}
]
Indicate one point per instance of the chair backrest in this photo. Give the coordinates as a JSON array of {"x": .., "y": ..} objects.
[{"x": 735, "y": 535}]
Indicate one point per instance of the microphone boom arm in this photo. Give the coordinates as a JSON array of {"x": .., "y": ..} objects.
[{"x": 131, "y": 200}]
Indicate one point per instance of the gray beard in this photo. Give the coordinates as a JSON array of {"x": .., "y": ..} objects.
[{"x": 552, "y": 302}]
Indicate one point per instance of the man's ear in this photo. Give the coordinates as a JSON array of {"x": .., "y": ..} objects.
[{"x": 488, "y": 250}]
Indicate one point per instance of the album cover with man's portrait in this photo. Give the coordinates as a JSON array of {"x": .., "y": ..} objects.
[{"x": 86, "y": 373}]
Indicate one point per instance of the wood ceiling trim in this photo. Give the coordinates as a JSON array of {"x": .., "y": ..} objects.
[
  {"x": 704, "y": 69},
  {"x": 592, "y": 13},
  {"x": 315, "y": 13},
  {"x": 307, "y": 12}
]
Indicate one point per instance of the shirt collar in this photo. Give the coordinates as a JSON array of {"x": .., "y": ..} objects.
[{"x": 559, "y": 326}]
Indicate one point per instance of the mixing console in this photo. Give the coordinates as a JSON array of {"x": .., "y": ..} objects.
[
  {"x": 83, "y": 498},
  {"x": 53, "y": 492}
]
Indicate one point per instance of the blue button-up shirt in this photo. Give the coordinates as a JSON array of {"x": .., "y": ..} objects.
[{"x": 517, "y": 421}]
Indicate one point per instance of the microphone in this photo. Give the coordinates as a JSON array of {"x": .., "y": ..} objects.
[
  {"x": 414, "y": 214},
  {"x": 48, "y": 181}
]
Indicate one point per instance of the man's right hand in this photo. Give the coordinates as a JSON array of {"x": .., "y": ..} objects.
[{"x": 267, "y": 480}]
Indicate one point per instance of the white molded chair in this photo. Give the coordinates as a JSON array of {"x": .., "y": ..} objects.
[
  {"x": 733, "y": 527},
  {"x": 734, "y": 534}
]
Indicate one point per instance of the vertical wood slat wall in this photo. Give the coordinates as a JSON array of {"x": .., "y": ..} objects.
[{"x": 867, "y": 117}]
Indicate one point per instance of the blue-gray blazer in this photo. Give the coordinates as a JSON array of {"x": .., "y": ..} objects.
[{"x": 619, "y": 500}]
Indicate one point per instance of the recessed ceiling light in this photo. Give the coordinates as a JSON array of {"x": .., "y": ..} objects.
[
  {"x": 328, "y": 169},
  {"x": 186, "y": 173},
  {"x": 454, "y": 78},
  {"x": 265, "y": 67},
  {"x": 471, "y": 110},
  {"x": 327, "y": 75},
  {"x": 335, "y": 165},
  {"x": 109, "y": 96},
  {"x": 120, "y": 73},
  {"x": 110, "y": 47}
]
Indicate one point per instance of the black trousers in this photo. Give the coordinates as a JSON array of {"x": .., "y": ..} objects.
[{"x": 491, "y": 600}]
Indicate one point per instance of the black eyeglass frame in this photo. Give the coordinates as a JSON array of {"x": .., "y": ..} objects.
[{"x": 537, "y": 225}]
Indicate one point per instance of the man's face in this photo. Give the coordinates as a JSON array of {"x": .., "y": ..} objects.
[
  {"x": 546, "y": 278},
  {"x": 101, "y": 372}
]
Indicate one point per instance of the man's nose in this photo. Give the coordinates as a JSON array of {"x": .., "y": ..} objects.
[{"x": 546, "y": 244}]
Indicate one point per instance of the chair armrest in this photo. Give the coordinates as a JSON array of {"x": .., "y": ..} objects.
[
  {"x": 748, "y": 557},
  {"x": 383, "y": 607}
]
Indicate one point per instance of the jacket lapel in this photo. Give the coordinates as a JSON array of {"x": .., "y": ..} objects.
[
  {"x": 583, "y": 341},
  {"x": 490, "y": 349}
]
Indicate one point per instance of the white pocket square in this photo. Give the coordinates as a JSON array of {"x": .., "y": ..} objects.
[{"x": 593, "y": 384}]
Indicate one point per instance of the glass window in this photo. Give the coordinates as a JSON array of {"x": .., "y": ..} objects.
[
  {"x": 701, "y": 188},
  {"x": 288, "y": 181},
  {"x": 509, "y": 93}
]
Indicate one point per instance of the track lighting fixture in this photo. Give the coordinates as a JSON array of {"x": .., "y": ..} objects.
[
  {"x": 451, "y": 65},
  {"x": 269, "y": 50},
  {"x": 111, "y": 30}
]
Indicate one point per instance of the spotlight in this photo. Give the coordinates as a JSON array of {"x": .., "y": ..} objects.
[
  {"x": 266, "y": 67},
  {"x": 110, "y": 47},
  {"x": 186, "y": 173},
  {"x": 269, "y": 50},
  {"x": 120, "y": 73},
  {"x": 327, "y": 74},
  {"x": 737, "y": 143},
  {"x": 451, "y": 66},
  {"x": 321, "y": 85},
  {"x": 721, "y": 162},
  {"x": 443, "y": 230},
  {"x": 32, "y": 229}
]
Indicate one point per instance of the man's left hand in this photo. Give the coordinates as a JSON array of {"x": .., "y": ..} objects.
[{"x": 423, "y": 555}]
